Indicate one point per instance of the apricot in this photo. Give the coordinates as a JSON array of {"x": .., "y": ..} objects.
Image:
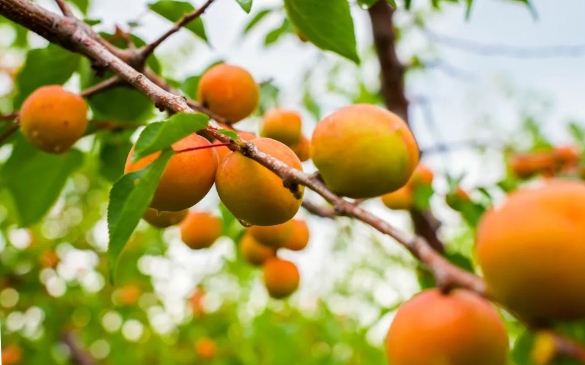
[
  {"x": 196, "y": 302},
  {"x": 281, "y": 277},
  {"x": 459, "y": 328},
  {"x": 300, "y": 236},
  {"x": 222, "y": 152},
  {"x": 205, "y": 348},
  {"x": 11, "y": 355},
  {"x": 400, "y": 199},
  {"x": 53, "y": 119},
  {"x": 282, "y": 125},
  {"x": 164, "y": 219},
  {"x": 567, "y": 157},
  {"x": 200, "y": 230},
  {"x": 456, "y": 199},
  {"x": 253, "y": 193},
  {"x": 527, "y": 165},
  {"x": 128, "y": 295},
  {"x": 302, "y": 149},
  {"x": 187, "y": 178},
  {"x": 254, "y": 252},
  {"x": 531, "y": 250},
  {"x": 229, "y": 91},
  {"x": 363, "y": 151},
  {"x": 422, "y": 176},
  {"x": 273, "y": 236},
  {"x": 49, "y": 258}
]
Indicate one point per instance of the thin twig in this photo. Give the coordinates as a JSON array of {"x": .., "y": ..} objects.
[
  {"x": 319, "y": 210},
  {"x": 13, "y": 128},
  {"x": 8, "y": 117},
  {"x": 114, "y": 126},
  {"x": 65, "y": 8},
  {"x": 108, "y": 84},
  {"x": 186, "y": 19},
  {"x": 78, "y": 353}
]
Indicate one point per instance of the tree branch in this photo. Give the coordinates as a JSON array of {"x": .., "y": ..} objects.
[
  {"x": 78, "y": 353},
  {"x": 9, "y": 117},
  {"x": 105, "y": 85},
  {"x": 13, "y": 128},
  {"x": 64, "y": 8}
]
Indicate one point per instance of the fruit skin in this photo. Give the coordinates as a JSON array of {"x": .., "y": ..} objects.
[
  {"x": 400, "y": 199},
  {"x": 300, "y": 236},
  {"x": 363, "y": 151},
  {"x": 222, "y": 152},
  {"x": 422, "y": 176},
  {"x": 53, "y": 119},
  {"x": 302, "y": 149},
  {"x": 281, "y": 277},
  {"x": 187, "y": 178},
  {"x": 254, "y": 252},
  {"x": 459, "y": 328},
  {"x": 273, "y": 236},
  {"x": 229, "y": 91},
  {"x": 128, "y": 294},
  {"x": 11, "y": 355},
  {"x": 255, "y": 194},
  {"x": 282, "y": 125},
  {"x": 164, "y": 219},
  {"x": 200, "y": 230},
  {"x": 205, "y": 348},
  {"x": 532, "y": 253},
  {"x": 526, "y": 165}
]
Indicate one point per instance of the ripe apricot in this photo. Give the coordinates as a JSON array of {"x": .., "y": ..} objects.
[
  {"x": 200, "y": 229},
  {"x": 422, "y": 176},
  {"x": 11, "y": 355},
  {"x": 222, "y": 152},
  {"x": 282, "y": 125},
  {"x": 254, "y": 252},
  {"x": 302, "y": 149},
  {"x": 300, "y": 236},
  {"x": 128, "y": 294},
  {"x": 164, "y": 219},
  {"x": 188, "y": 177},
  {"x": 229, "y": 91},
  {"x": 49, "y": 258},
  {"x": 527, "y": 165},
  {"x": 196, "y": 302},
  {"x": 459, "y": 328},
  {"x": 400, "y": 199},
  {"x": 205, "y": 348},
  {"x": 363, "y": 151},
  {"x": 53, "y": 119},
  {"x": 531, "y": 250},
  {"x": 567, "y": 157},
  {"x": 255, "y": 194},
  {"x": 281, "y": 277},
  {"x": 273, "y": 236}
]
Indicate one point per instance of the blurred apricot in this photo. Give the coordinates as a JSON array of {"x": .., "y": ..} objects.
[
  {"x": 164, "y": 219},
  {"x": 196, "y": 301},
  {"x": 49, "y": 258},
  {"x": 205, "y": 348},
  {"x": 282, "y": 125},
  {"x": 200, "y": 229},
  {"x": 128, "y": 294},
  {"x": 253, "y": 193},
  {"x": 531, "y": 250},
  {"x": 281, "y": 277},
  {"x": 302, "y": 149},
  {"x": 422, "y": 176},
  {"x": 254, "y": 252},
  {"x": 400, "y": 199},
  {"x": 459, "y": 328},
  {"x": 229, "y": 91},
  {"x": 300, "y": 236},
  {"x": 526, "y": 165},
  {"x": 567, "y": 157},
  {"x": 363, "y": 151},
  {"x": 11, "y": 355},
  {"x": 457, "y": 198},
  {"x": 53, "y": 119},
  {"x": 273, "y": 236},
  {"x": 187, "y": 178}
]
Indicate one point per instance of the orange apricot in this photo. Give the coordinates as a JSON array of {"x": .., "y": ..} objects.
[
  {"x": 422, "y": 176},
  {"x": 49, "y": 258},
  {"x": 567, "y": 157},
  {"x": 254, "y": 252},
  {"x": 53, "y": 119},
  {"x": 281, "y": 277},
  {"x": 253, "y": 193},
  {"x": 302, "y": 149},
  {"x": 187, "y": 178},
  {"x": 400, "y": 199},
  {"x": 300, "y": 236},
  {"x": 223, "y": 151},
  {"x": 11, "y": 355},
  {"x": 363, "y": 151},
  {"x": 531, "y": 250},
  {"x": 282, "y": 125},
  {"x": 164, "y": 219},
  {"x": 459, "y": 328},
  {"x": 273, "y": 236},
  {"x": 457, "y": 198},
  {"x": 527, "y": 165},
  {"x": 205, "y": 348},
  {"x": 196, "y": 302},
  {"x": 200, "y": 229},
  {"x": 229, "y": 91},
  {"x": 128, "y": 295}
]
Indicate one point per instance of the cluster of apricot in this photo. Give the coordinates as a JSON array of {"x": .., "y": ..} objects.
[{"x": 549, "y": 163}]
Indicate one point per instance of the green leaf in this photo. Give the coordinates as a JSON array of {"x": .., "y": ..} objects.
[
  {"x": 35, "y": 179},
  {"x": 407, "y": 4},
  {"x": 256, "y": 19},
  {"x": 82, "y": 5},
  {"x": 327, "y": 24},
  {"x": 129, "y": 198},
  {"x": 160, "y": 135},
  {"x": 366, "y": 4},
  {"x": 46, "y": 66},
  {"x": 392, "y": 2},
  {"x": 113, "y": 153},
  {"x": 522, "y": 348},
  {"x": 174, "y": 10},
  {"x": 190, "y": 86},
  {"x": 274, "y": 35},
  {"x": 231, "y": 134},
  {"x": 245, "y": 4}
]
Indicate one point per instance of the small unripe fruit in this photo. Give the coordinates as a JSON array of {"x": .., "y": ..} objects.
[
  {"x": 254, "y": 194},
  {"x": 459, "y": 328},
  {"x": 531, "y": 250},
  {"x": 456, "y": 199},
  {"x": 273, "y": 236},
  {"x": 282, "y": 125},
  {"x": 200, "y": 230},
  {"x": 281, "y": 277},
  {"x": 400, "y": 199},
  {"x": 254, "y": 252},
  {"x": 302, "y": 149},
  {"x": 363, "y": 151},
  {"x": 53, "y": 119},
  {"x": 164, "y": 219},
  {"x": 205, "y": 348},
  {"x": 229, "y": 91},
  {"x": 300, "y": 236},
  {"x": 187, "y": 178}
]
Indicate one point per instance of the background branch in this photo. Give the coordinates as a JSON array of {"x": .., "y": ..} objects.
[
  {"x": 64, "y": 8},
  {"x": 78, "y": 353},
  {"x": 4, "y": 136}
]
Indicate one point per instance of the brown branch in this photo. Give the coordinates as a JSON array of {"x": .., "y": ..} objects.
[
  {"x": 78, "y": 353},
  {"x": 65, "y": 8},
  {"x": 105, "y": 85},
  {"x": 13, "y": 128},
  {"x": 319, "y": 210},
  {"x": 186, "y": 19},
  {"x": 8, "y": 117}
]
